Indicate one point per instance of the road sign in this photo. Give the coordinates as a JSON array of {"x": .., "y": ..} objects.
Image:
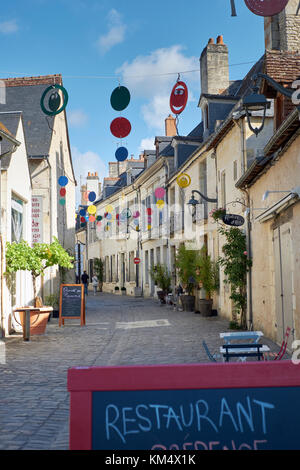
[{"x": 136, "y": 260}]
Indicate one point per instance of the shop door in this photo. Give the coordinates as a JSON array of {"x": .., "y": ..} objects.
[{"x": 283, "y": 282}]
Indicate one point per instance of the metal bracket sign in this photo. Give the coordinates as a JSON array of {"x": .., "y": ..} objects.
[{"x": 233, "y": 220}]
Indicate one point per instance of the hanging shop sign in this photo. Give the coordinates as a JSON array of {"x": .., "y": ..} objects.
[
  {"x": 266, "y": 7},
  {"x": 233, "y": 220},
  {"x": 37, "y": 219},
  {"x": 179, "y": 97},
  {"x": 55, "y": 105}
]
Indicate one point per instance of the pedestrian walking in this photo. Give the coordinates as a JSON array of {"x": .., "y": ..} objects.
[
  {"x": 95, "y": 283},
  {"x": 85, "y": 281}
]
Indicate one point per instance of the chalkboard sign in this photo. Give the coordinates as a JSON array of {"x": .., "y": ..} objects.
[
  {"x": 252, "y": 406},
  {"x": 233, "y": 220},
  {"x": 72, "y": 304}
]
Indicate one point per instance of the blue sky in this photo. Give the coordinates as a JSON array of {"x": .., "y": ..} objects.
[{"x": 131, "y": 41}]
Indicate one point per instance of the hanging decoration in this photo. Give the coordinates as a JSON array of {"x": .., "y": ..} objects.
[
  {"x": 266, "y": 7},
  {"x": 183, "y": 180},
  {"x": 120, "y": 98},
  {"x": 54, "y": 106},
  {"x": 160, "y": 204},
  {"x": 62, "y": 181},
  {"x": 92, "y": 196},
  {"x": 120, "y": 127},
  {"x": 121, "y": 154},
  {"x": 92, "y": 209},
  {"x": 179, "y": 97}
]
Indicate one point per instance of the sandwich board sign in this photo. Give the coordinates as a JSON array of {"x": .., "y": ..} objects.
[
  {"x": 224, "y": 406},
  {"x": 71, "y": 303}
]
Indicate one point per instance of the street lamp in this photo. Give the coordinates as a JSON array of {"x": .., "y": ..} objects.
[
  {"x": 253, "y": 103},
  {"x": 257, "y": 102},
  {"x": 194, "y": 202}
]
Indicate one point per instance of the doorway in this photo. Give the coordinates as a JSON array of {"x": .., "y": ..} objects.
[{"x": 282, "y": 243}]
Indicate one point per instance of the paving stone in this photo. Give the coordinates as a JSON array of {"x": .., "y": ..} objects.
[{"x": 34, "y": 400}]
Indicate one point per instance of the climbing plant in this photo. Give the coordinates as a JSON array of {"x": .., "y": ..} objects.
[{"x": 236, "y": 264}]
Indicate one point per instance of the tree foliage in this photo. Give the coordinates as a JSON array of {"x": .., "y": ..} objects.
[
  {"x": 161, "y": 277},
  {"x": 236, "y": 264}
]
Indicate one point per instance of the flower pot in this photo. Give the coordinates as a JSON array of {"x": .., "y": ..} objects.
[
  {"x": 188, "y": 302},
  {"x": 205, "y": 307},
  {"x": 38, "y": 322},
  {"x": 161, "y": 296}
]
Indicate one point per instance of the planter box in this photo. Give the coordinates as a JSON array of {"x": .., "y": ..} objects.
[
  {"x": 205, "y": 307},
  {"x": 188, "y": 302}
]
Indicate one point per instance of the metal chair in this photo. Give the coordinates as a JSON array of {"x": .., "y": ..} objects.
[
  {"x": 212, "y": 357},
  {"x": 278, "y": 356}
]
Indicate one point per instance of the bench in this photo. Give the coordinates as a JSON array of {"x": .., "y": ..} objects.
[{"x": 243, "y": 351}]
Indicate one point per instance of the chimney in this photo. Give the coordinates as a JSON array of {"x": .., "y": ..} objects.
[
  {"x": 282, "y": 31},
  {"x": 214, "y": 67},
  {"x": 170, "y": 126}
]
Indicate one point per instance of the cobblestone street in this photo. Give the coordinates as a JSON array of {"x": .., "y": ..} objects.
[{"x": 34, "y": 401}]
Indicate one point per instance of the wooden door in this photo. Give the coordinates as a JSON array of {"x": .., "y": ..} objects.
[{"x": 283, "y": 281}]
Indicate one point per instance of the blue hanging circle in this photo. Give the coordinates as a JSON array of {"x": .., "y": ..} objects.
[
  {"x": 82, "y": 212},
  {"x": 121, "y": 154},
  {"x": 92, "y": 196},
  {"x": 63, "y": 181}
]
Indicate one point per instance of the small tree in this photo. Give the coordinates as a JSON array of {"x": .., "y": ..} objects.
[
  {"x": 236, "y": 265},
  {"x": 161, "y": 277},
  {"x": 207, "y": 272},
  {"x": 22, "y": 257},
  {"x": 187, "y": 264}
]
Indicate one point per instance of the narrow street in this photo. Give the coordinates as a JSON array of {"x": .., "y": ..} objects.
[{"x": 34, "y": 401}]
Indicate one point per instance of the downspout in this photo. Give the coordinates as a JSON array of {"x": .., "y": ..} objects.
[
  {"x": 248, "y": 228},
  {"x": 51, "y": 213}
]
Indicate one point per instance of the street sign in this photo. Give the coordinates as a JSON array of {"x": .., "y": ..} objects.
[
  {"x": 233, "y": 220},
  {"x": 266, "y": 7},
  {"x": 136, "y": 260}
]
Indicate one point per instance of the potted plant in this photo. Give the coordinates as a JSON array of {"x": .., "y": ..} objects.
[
  {"x": 208, "y": 275},
  {"x": 99, "y": 270},
  {"x": 218, "y": 213},
  {"x": 53, "y": 301},
  {"x": 22, "y": 257},
  {"x": 162, "y": 279},
  {"x": 186, "y": 263}
]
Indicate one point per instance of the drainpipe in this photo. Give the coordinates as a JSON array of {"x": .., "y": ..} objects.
[{"x": 51, "y": 213}]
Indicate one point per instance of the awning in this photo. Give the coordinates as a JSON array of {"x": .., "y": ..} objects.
[{"x": 281, "y": 205}]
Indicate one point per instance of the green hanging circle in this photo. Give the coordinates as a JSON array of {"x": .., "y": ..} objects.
[
  {"x": 120, "y": 98},
  {"x": 65, "y": 100}
]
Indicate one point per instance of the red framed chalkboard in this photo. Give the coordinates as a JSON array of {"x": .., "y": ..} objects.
[
  {"x": 71, "y": 303},
  {"x": 218, "y": 406}
]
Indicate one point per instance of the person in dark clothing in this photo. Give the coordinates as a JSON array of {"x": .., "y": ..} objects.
[{"x": 85, "y": 280}]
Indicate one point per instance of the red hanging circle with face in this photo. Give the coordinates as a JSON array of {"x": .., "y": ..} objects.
[
  {"x": 120, "y": 127},
  {"x": 178, "y": 98},
  {"x": 266, "y": 7}
]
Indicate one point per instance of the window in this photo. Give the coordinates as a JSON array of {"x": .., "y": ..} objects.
[
  {"x": 223, "y": 188},
  {"x": 235, "y": 170},
  {"x": 16, "y": 220}
]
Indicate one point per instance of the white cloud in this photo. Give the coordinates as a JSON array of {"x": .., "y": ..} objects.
[
  {"x": 115, "y": 34},
  {"x": 77, "y": 118},
  {"x": 152, "y": 77},
  {"x": 147, "y": 144},
  {"x": 83, "y": 162},
  {"x": 9, "y": 27}
]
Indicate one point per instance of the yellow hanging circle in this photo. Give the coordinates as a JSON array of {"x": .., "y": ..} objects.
[
  {"x": 109, "y": 209},
  {"x": 183, "y": 180},
  {"x": 160, "y": 203},
  {"x": 92, "y": 209}
]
